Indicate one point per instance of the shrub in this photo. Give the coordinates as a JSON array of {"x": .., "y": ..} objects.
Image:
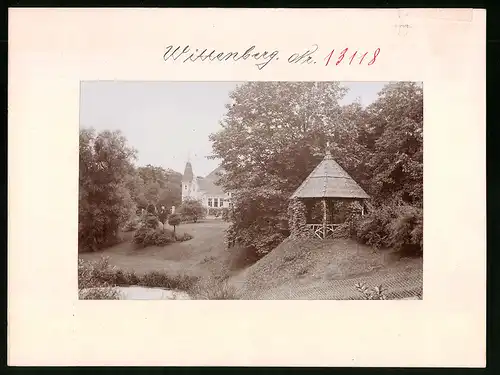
[
  {"x": 132, "y": 224},
  {"x": 157, "y": 279},
  {"x": 98, "y": 293},
  {"x": 215, "y": 289},
  {"x": 392, "y": 226},
  {"x": 150, "y": 221},
  {"x": 183, "y": 237},
  {"x": 406, "y": 230},
  {"x": 192, "y": 210},
  {"x": 376, "y": 293},
  {"x": 215, "y": 211},
  {"x": 153, "y": 237},
  {"x": 99, "y": 274},
  {"x": 95, "y": 280}
]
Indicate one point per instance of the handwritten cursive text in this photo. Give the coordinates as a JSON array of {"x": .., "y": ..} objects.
[{"x": 187, "y": 54}]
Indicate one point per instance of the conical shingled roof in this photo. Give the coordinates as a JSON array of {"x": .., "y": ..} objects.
[
  {"x": 329, "y": 180},
  {"x": 188, "y": 173}
]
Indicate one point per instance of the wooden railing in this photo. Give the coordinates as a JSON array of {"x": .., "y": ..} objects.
[{"x": 322, "y": 231}]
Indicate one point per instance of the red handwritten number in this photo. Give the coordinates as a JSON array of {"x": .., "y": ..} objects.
[
  {"x": 352, "y": 57},
  {"x": 375, "y": 54},
  {"x": 363, "y": 58},
  {"x": 341, "y": 57},
  {"x": 328, "y": 57}
]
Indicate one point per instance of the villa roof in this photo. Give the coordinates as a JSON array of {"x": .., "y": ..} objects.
[
  {"x": 208, "y": 184},
  {"x": 329, "y": 180}
]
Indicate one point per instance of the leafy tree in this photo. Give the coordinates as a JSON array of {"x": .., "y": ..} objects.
[
  {"x": 192, "y": 209},
  {"x": 161, "y": 187},
  {"x": 152, "y": 192},
  {"x": 105, "y": 202},
  {"x": 395, "y": 143},
  {"x": 273, "y": 135}
]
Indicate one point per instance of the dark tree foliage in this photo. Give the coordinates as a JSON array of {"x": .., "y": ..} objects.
[{"x": 275, "y": 133}]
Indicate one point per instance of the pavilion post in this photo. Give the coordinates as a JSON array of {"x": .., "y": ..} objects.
[
  {"x": 324, "y": 217},
  {"x": 362, "y": 208}
]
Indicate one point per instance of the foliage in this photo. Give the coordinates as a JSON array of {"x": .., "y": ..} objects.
[
  {"x": 149, "y": 220},
  {"x": 397, "y": 226},
  {"x": 216, "y": 211},
  {"x": 91, "y": 284},
  {"x": 258, "y": 223},
  {"x": 100, "y": 274},
  {"x": 146, "y": 236},
  {"x": 174, "y": 220},
  {"x": 376, "y": 293},
  {"x": 183, "y": 237},
  {"x": 105, "y": 203},
  {"x": 163, "y": 215},
  {"x": 226, "y": 214},
  {"x": 132, "y": 224},
  {"x": 275, "y": 133},
  {"x": 160, "y": 187},
  {"x": 101, "y": 293},
  {"x": 394, "y": 143},
  {"x": 157, "y": 279},
  {"x": 215, "y": 288},
  {"x": 297, "y": 218},
  {"x": 192, "y": 209}
]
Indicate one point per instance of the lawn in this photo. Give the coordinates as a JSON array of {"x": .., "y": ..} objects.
[{"x": 203, "y": 255}]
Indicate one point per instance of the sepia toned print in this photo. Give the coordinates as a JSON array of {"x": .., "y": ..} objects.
[{"x": 251, "y": 190}]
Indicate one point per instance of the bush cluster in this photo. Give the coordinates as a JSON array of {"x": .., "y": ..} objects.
[
  {"x": 390, "y": 226},
  {"x": 100, "y": 274},
  {"x": 132, "y": 224},
  {"x": 215, "y": 288},
  {"x": 217, "y": 211},
  {"x": 94, "y": 280},
  {"x": 145, "y": 236}
]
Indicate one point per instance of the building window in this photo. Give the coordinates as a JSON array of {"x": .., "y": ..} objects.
[
  {"x": 210, "y": 202},
  {"x": 216, "y": 202},
  {"x": 185, "y": 187}
]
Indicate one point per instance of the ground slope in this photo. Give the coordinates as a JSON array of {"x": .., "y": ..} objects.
[{"x": 328, "y": 269}]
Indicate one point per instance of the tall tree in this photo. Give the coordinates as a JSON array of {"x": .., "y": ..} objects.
[
  {"x": 273, "y": 135},
  {"x": 105, "y": 202},
  {"x": 394, "y": 139},
  {"x": 162, "y": 187}
]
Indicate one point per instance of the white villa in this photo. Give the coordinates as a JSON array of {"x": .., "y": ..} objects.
[{"x": 204, "y": 188}]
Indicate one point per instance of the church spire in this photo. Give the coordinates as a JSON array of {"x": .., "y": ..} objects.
[{"x": 188, "y": 173}]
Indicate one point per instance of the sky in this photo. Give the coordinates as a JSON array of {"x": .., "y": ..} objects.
[{"x": 169, "y": 122}]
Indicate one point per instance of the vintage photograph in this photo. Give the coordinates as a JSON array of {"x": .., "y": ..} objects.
[{"x": 250, "y": 190}]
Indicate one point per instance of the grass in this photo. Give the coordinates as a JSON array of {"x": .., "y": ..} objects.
[
  {"x": 202, "y": 256},
  {"x": 305, "y": 267},
  {"x": 206, "y": 269}
]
